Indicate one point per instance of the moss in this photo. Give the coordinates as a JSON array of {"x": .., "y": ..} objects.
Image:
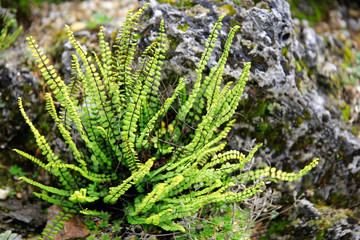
[
  {"x": 299, "y": 120},
  {"x": 307, "y": 115},
  {"x": 273, "y": 107},
  {"x": 197, "y": 9},
  {"x": 167, "y": 1},
  {"x": 348, "y": 54},
  {"x": 354, "y": 130},
  {"x": 185, "y": 3},
  {"x": 346, "y": 113},
  {"x": 174, "y": 42},
  {"x": 298, "y": 66},
  {"x": 298, "y": 82},
  {"x": 238, "y": 2},
  {"x": 228, "y": 9},
  {"x": 183, "y": 27},
  {"x": 285, "y": 52},
  {"x": 258, "y": 114}
]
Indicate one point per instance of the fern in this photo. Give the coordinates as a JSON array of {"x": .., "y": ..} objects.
[
  {"x": 124, "y": 135},
  {"x": 7, "y": 235}
]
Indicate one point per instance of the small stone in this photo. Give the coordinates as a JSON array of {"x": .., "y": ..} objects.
[
  {"x": 354, "y": 25},
  {"x": 309, "y": 193},
  {"x": 4, "y": 193},
  {"x": 78, "y": 26},
  {"x": 109, "y": 5},
  {"x": 19, "y": 195},
  {"x": 197, "y": 11},
  {"x": 354, "y": 13},
  {"x": 329, "y": 69}
]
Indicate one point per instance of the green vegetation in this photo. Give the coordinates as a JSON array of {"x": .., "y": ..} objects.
[
  {"x": 153, "y": 152},
  {"x": 17, "y": 171},
  {"x": 9, "y": 30},
  {"x": 314, "y": 11}
]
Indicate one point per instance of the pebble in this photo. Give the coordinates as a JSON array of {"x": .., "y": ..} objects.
[
  {"x": 19, "y": 195},
  {"x": 354, "y": 13},
  {"x": 78, "y": 26},
  {"x": 4, "y": 193}
]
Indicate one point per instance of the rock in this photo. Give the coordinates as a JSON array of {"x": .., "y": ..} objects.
[
  {"x": 348, "y": 228},
  {"x": 16, "y": 82},
  {"x": 305, "y": 209},
  {"x": 78, "y": 26},
  {"x": 31, "y": 216},
  {"x": 313, "y": 42},
  {"x": 73, "y": 228}
]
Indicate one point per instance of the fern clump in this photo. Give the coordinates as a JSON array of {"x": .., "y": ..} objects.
[{"x": 124, "y": 135}]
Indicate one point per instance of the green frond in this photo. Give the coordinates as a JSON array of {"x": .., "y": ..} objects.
[
  {"x": 50, "y": 107},
  {"x": 53, "y": 190},
  {"x": 194, "y": 96},
  {"x": 150, "y": 126},
  {"x": 54, "y": 200},
  {"x": 155, "y": 219},
  {"x": 40, "y": 139},
  {"x": 125, "y": 47},
  {"x": 56, "y": 224},
  {"x": 55, "y": 83},
  {"x": 224, "y": 157},
  {"x": 116, "y": 192},
  {"x": 86, "y": 174},
  {"x": 31, "y": 158},
  {"x": 7, "y": 39},
  {"x": 273, "y": 173}
]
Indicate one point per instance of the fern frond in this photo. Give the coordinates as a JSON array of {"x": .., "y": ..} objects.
[
  {"x": 274, "y": 174},
  {"x": 40, "y": 139},
  {"x": 116, "y": 192},
  {"x": 54, "y": 200},
  {"x": 150, "y": 127},
  {"x": 31, "y": 158},
  {"x": 86, "y": 174},
  {"x": 194, "y": 96},
  {"x": 53, "y": 190},
  {"x": 64, "y": 132},
  {"x": 126, "y": 124}
]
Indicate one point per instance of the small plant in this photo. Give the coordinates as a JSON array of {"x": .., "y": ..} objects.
[
  {"x": 230, "y": 223},
  {"x": 16, "y": 171},
  {"x": 157, "y": 153},
  {"x": 10, "y": 236},
  {"x": 99, "y": 18},
  {"x": 9, "y": 29}
]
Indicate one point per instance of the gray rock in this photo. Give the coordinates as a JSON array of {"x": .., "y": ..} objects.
[
  {"x": 305, "y": 210},
  {"x": 348, "y": 228},
  {"x": 14, "y": 83},
  {"x": 30, "y": 217}
]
